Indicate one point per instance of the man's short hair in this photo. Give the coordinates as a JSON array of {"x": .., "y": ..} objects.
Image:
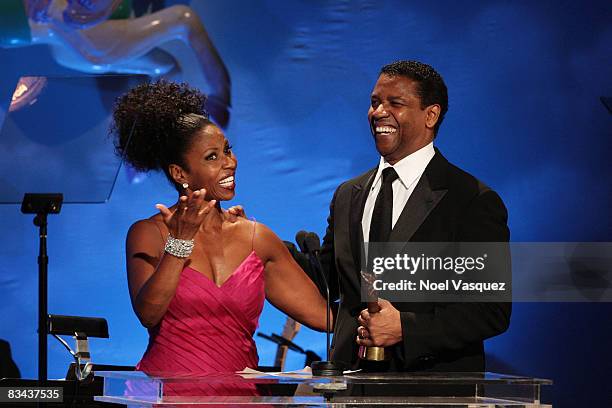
[{"x": 431, "y": 87}]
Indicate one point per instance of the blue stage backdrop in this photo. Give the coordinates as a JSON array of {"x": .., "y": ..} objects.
[{"x": 524, "y": 78}]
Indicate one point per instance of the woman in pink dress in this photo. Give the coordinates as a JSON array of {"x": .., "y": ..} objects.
[{"x": 198, "y": 275}]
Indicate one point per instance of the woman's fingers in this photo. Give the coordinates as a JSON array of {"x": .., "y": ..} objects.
[
  {"x": 198, "y": 195},
  {"x": 196, "y": 199},
  {"x": 182, "y": 204},
  {"x": 233, "y": 213},
  {"x": 207, "y": 207},
  {"x": 237, "y": 210},
  {"x": 198, "y": 207},
  {"x": 165, "y": 212},
  {"x": 190, "y": 213}
]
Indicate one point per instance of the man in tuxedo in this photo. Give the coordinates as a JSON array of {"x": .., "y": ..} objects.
[{"x": 416, "y": 195}]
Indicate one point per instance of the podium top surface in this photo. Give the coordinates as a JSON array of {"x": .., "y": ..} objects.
[
  {"x": 302, "y": 377},
  {"x": 290, "y": 389}
]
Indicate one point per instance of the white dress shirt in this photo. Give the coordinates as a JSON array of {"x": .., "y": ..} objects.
[{"x": 409, "y": 169}]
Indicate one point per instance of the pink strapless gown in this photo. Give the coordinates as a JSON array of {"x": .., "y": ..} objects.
[{"x": 208, "y": 329}]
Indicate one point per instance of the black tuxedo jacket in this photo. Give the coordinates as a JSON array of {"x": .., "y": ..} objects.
[{"x": 447, "y": 205}]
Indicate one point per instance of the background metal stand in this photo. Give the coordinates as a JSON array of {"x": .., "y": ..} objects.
[{"x": 42, "y": 205}]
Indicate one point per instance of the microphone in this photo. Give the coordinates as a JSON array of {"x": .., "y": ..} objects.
[
  {"x": 310, "y": 244},
  {"x": 300, "y": 238}
]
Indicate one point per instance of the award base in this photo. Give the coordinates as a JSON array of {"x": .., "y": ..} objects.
[{"x": 374, "y": 353}]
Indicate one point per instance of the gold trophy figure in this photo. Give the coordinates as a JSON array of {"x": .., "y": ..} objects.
[{"x": 371, "y": 353}]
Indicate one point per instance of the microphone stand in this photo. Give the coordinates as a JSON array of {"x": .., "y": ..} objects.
[{"x": 326, "y": 368}]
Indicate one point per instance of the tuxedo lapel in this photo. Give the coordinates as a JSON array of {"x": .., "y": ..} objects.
[
  {"x": 428, "y": 192},
  {"x": 359, "y": 195}
]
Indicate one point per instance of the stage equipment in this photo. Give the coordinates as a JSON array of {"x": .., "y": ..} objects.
[
  {"x": 80, "y": 328},
  {"x": 42, "y": 205},
  {"x": 290, "y": 330},
  {"x": 425, "y": 389},
  {"x": 310, "y": 244},
  {"x": 56, "y": 144},
  {"x": 287, "y": 344}
]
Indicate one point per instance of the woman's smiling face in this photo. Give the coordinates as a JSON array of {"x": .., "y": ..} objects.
[{"x": 211, "y": 164}]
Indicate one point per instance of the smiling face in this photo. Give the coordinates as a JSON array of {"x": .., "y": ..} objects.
[
  {"x": 398, "y": 123},
  {"x": 210, "y": 164}
]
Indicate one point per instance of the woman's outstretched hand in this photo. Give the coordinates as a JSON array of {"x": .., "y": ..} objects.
[
  {"x": 233, "y": 213},
  {"x": 185, "y": 219}
]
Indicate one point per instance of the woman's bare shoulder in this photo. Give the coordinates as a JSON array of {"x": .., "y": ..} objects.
[
  {"x": 240, "y": 227},
  {"x": 148, "y": 232},
  {"x": 146, "y": 224},
  {"x": 266, "y": 243}
]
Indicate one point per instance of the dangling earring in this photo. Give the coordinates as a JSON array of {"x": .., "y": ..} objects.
[{"x": 185, "y": 186}]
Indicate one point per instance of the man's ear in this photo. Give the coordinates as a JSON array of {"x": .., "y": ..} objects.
[
  {"x": 433, "y": 114},
  {"x": 178, "y": 174}
]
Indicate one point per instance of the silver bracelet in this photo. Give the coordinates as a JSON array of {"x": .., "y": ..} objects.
[{"x": 181, "y": 248}]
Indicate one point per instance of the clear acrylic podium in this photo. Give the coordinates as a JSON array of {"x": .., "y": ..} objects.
[{"x": 136, "y": 389}]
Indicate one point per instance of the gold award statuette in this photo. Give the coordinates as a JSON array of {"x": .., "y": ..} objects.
[{"x": 372, "y": 353}]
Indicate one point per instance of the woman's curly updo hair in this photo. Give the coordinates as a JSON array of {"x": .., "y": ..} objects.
[{"x": 154, "y": 124}]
